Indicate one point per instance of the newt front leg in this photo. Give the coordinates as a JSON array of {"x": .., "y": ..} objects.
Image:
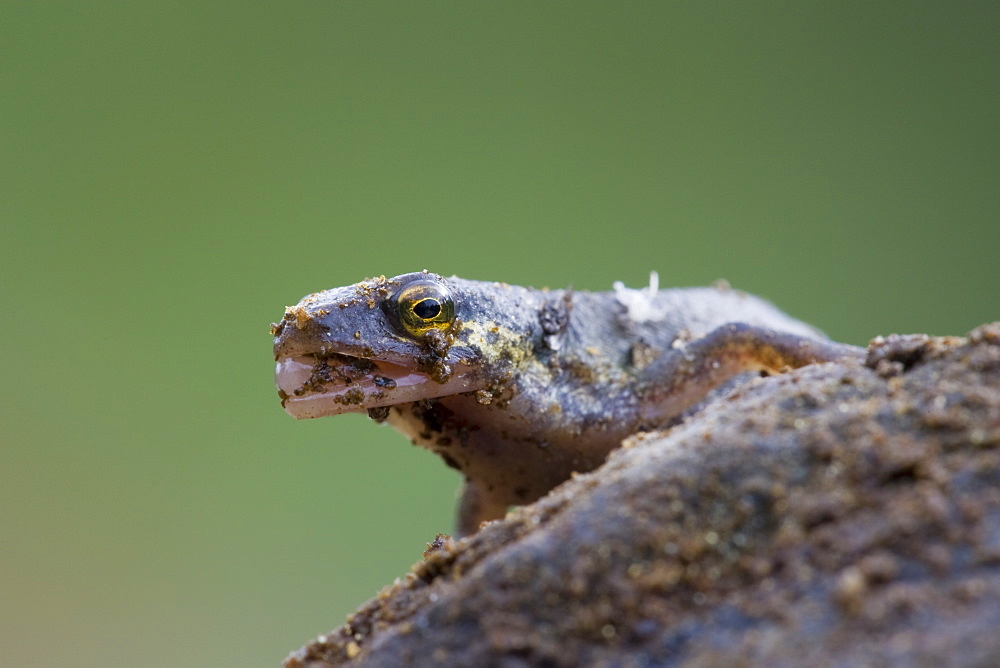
[{"x": 674, "y": 383}]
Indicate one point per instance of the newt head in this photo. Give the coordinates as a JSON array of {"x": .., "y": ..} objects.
[{"x": 383, "y": 342}]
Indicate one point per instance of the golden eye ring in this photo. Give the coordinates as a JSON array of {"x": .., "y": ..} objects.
[{"x": 423, "y": 305}]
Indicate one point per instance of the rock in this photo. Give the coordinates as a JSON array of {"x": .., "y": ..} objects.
[{"x": 841, "y": 514}]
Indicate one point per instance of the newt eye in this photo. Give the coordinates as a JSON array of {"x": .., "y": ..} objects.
[{"x": 423, "y": 305}]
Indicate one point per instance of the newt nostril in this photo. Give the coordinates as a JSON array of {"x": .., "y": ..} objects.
[{"x": 299, "y": 315}]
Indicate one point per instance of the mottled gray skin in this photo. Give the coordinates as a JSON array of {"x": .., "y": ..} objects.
[{"x": 556, "y": 379}]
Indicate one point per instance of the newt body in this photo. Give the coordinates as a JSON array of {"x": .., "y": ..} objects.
[{"x": 518, "y": 388}]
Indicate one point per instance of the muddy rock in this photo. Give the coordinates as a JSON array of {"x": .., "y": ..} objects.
[{"x": 840, "y": 514}]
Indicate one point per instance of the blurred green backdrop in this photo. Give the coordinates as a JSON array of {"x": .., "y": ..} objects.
[{"x": 174, "y": 174}]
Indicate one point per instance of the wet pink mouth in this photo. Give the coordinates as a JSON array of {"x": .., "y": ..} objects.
[{"x": 312, "y": 387}]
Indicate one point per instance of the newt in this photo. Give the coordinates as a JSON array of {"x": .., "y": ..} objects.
[{"x": 518, "y": 388}]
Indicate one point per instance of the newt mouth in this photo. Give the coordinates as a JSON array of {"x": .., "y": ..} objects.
[{"x": 312, "y": 386}]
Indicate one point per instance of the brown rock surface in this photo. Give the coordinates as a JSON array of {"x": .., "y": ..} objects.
[{"x": 840, "y": 514}]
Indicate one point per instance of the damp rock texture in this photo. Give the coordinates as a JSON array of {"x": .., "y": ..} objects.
[{"x": 841, "y": 514}]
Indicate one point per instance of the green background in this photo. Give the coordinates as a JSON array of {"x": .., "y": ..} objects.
[{"x": 174, "y": 174}]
